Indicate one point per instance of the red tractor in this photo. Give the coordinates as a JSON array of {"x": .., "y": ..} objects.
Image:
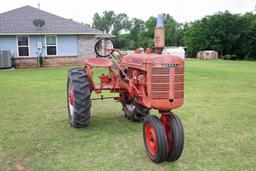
[{"x": 143, "y": 81}]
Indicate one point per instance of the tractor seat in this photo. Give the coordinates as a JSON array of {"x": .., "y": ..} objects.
[{"x": 99, "y": 62}]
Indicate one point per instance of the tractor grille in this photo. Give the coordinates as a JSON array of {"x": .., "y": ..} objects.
[
  {"x": 178, "y": 94},
  {"x": 178, "y": 82},
  {"x": 178, "y": 86},
  {"x": 178, "y": 78},
  {"x": 179, "y": 70},
  {"x": 160, "y": 79},
  {"x": 160, "y": 85},
  {"x": 165, "y": 71}
]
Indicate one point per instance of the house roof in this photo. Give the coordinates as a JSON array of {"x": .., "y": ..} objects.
[{"x": 20, "y": 21}]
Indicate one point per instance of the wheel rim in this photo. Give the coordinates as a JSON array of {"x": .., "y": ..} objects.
[
  {"x": 71, "y": 100},
  {"x": 169, "y": 132},
  {"x": 151, "y": 139},
  {"x": 130, "y": 107}
]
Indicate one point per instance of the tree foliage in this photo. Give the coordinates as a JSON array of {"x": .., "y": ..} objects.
[
  {"x": 229, "y": 34},
  {"x": 121, "y": 22},
  {"x": 104, "y": 22},
  {"x": 109, "y": 22}
]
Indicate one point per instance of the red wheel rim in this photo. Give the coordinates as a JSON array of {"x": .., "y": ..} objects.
[
  {"x": 70, "y": 97},
  {"x": 169, "y": 131},
  {"x": 151, "y": 139}
]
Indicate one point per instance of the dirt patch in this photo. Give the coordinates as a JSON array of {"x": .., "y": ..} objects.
[
  {"x": 4, "y": 163},
  {"x": 87, "y": 162},
  {"x": 21, "y": 167}
]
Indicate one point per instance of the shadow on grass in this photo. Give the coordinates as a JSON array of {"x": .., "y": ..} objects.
[{"x": 112, "y": 124}]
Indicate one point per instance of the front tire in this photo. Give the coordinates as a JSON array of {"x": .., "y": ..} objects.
[
  {"x": 78, "y": 98},
  {"x": 175, "y": 137},
  {"x": 155, "y": 139}
]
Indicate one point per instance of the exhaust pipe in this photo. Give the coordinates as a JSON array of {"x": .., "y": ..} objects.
[{"x": 159, "y": 34}]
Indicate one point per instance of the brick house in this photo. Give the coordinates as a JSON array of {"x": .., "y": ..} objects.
[{"x": 57, "y": 40}]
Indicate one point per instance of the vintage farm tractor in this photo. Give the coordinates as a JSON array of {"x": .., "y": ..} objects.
[{"x": 143, "y": 81}]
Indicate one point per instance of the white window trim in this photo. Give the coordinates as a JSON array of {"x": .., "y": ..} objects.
[
  {"x": 51, "y": 45},
  {"x": 17, "y": 42}
]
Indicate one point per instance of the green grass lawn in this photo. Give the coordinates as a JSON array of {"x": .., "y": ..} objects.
[{"x": 219, "y": 118}]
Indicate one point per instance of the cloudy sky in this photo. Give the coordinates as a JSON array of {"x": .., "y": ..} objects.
[{"x": 181, "y": 10}]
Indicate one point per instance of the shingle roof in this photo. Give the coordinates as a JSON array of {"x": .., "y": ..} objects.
[{"x": 20, "y": 20}]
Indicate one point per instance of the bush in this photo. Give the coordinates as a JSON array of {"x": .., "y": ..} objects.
[{"x": 230, "y": 57}]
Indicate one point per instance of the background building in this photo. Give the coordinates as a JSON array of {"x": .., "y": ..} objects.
[{"x": 29, "y": 32}]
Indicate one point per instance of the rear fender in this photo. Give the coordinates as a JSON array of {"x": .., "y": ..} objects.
[{"x": 89, "y": 71}]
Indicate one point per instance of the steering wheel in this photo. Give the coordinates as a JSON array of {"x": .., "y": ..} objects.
[{"x": 104, "y": 47}]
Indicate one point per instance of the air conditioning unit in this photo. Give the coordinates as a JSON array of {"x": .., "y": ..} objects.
[{"x": 5, "y": 59}]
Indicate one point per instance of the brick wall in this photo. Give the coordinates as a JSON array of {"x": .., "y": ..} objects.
[
  {"x": 49, "y": 61},
  {"x": 86, "y": 46},
  {"x": 63, "y": 61},
  {"x": 25, "y": 62}
]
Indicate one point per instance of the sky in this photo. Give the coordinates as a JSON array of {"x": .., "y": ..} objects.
[{"x": 181, "y": 10}]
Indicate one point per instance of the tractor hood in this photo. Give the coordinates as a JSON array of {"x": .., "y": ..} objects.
[{"x": 140, "y": 60}]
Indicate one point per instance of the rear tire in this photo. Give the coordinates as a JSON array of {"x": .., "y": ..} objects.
[
  {"x": 78, "y": 98},
  {"x": 176, "y": 139},
  {"x": 135, "y": 112},
  {"x": 155, "y": 139}
]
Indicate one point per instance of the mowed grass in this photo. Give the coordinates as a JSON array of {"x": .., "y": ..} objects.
[{"x": 219, "y": 118}]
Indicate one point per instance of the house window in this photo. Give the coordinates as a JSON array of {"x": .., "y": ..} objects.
[
  {"x": 51, "y": 45},
  {"x": 23, "y": 48}
]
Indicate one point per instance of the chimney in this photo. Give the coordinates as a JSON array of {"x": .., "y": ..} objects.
[
  {"x": 38, "y": 5},
  {"x": 159, "y": 34}
]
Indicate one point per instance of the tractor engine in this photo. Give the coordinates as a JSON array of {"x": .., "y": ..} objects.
[{"x": 157, "y": 80}]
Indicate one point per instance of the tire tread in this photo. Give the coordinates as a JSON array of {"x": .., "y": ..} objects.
[{"x": 82, "y": 103}]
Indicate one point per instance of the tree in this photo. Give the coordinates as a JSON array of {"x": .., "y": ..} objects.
[
  {"x": 180, "y": 34},
  {"x": 170, "y": 30},
  {"x": 146, "y": 35},
  {"x": 121, "y": 22},
  {"x": 104, "y": 22},
  {"x": 248, "y": 37},
  {"x": 224, "y": 29},
  {"x": 232, "y": 35},
  {"x": 192, "y": 39},
  {"x": 138, "y": 26},
  {"x": 122, "y": 41},
  {"x": 219, "y": 32},
  {"x": 110, "y": 22}
]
